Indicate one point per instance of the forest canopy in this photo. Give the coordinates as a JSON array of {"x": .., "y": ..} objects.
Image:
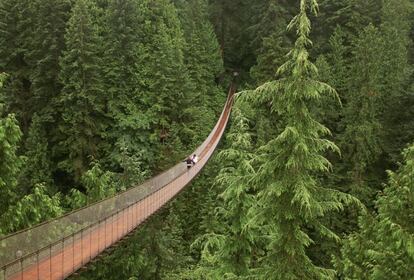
[{"x": 313, "y": 179}]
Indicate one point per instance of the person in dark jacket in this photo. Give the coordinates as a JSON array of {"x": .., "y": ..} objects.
[{"x": 189, "y": 162}]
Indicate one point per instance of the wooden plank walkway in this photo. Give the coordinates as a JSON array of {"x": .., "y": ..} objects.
[{"x": 63, "y": 258}]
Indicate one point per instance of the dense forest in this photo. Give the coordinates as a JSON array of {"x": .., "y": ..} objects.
[{"x": 314, "y": 178}]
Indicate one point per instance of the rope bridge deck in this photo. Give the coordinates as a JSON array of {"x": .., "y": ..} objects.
[{"x": 58, "y": 248}]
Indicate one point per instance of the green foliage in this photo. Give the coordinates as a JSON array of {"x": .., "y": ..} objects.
[
  {"x": 133, "y": 171},
  {"x": 31, "y": 209},
  {"x": 228, "y": 247},
  {"x": 3, "y": 77},
  {"x": 290, "y": 200},
  {"x": 273, "y": 51},
  {"x": 374, "y": 90},
  {"x": 396, "y": 73},
  {"x": 127, "y": 109},
  {"x": 204, "y": 63},
  {"x": 108, "y": 92},
  {"x": 365, "y": 99},
  {"x": 45, "y": 50},
  {"x": 382, "y": 248},
  {"x": 165, "y": 45},
  {"x": 38, "y": 167},
  {"x": 233, "y": 21},
  {"x": 196, "y": 206},
  {"x": 350, "y": 15},
  {"x": 82, "y": 101},
  {"x": 337, "y": 60},
  {"x": 10, "y": 161},
  {"x": 275, "y": 42},
  {"x": 16, "y": 29},
  {"x": 75, "y": 199},
  {"x": 146, "y": 77},
  {"x": 98, "y": 183},
  {"x": 361, "y": 139},
  {"x": 362, "y": 13}
]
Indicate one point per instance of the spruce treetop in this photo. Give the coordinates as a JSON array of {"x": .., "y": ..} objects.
[{"x": 291, "y": 200}]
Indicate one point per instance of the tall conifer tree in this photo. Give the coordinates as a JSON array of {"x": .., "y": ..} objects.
[
  {"x": 10, "y": 161},
  {"x": 228, "y": 250},
  {"x": 16, "y": 34},
  {"x": 47, "y": 47},
  {"x": 164, "y": 79},
  {"x": 361, "y": 140},
  {"x": 383, "y": 247},
  {"x": 82, "y": 101},
  {"x": 38, "y": 168},
  {"x": 146, "y": 78},
  {"x": 396, "y": 72},
  {"x": 205, "y": 65},
  {"x": 273, "y": 40},
  {"x": 130, "y": 123},
  {"x": 232, "y": 20},
  {"x": 291, "y": 201}
]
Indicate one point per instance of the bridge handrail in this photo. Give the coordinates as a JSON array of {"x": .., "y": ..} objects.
[{"x": 24, "y": 243}]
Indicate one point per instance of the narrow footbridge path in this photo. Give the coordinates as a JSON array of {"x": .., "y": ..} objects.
[{"x": 58, "y": 248}]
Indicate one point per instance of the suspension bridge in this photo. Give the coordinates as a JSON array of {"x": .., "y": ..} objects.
[{"x": 58, "y": 248}]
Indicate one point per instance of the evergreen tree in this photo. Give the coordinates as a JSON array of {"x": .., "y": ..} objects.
[
  {"x": 271, "y": 17},
  {"x": 204, "y": 63},
  {"x": 169, "y": 76},
  {"x": 362, "y": 13},
  {"x": 164, "y": 77},
  {"x": 195, "y": 208},
  {"x": 133, "y": 170},
  {"x": 38, "y": 167},
  {"x": 30, "y": 210},
  {"x": 18, "y": 211},
  {"x": 10, "y": 161},
  {"x": 46, "y": 48},
  {"x": 273, "y": 40},
  {"x": 98, "y": 184},
  {"x": 16, "y": 30},
  {"x": 383, "y": 247},
  {"x": 291, "y": 201},
  {"x": 82, "y": 101},
  {"x": 351, "y": 15},
  {"x": 361, "y": 139},
  {"x": 102, "y": 93},
  {"x": 273, "y": 50},
  {"x": 148, "y": 80},
  {"x": 396, "y": 72},
  {"x": 3, "y": 77},
  {"x": 228, "y": 248},
  {"x": 233, "y": 21},
  {"x": 337, "y": 60},
  {"x": 333, "y": 14},
  {"x": 47, "y": 45},
  {"x": 130, "y": 120}
]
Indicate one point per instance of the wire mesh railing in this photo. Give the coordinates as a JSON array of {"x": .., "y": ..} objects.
[{"x": 57, "y": 248}]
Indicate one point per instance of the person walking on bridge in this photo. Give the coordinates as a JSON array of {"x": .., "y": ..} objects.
[
  {"x": 189, "y": 162},
  {"x": 194, "y": 159}
]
